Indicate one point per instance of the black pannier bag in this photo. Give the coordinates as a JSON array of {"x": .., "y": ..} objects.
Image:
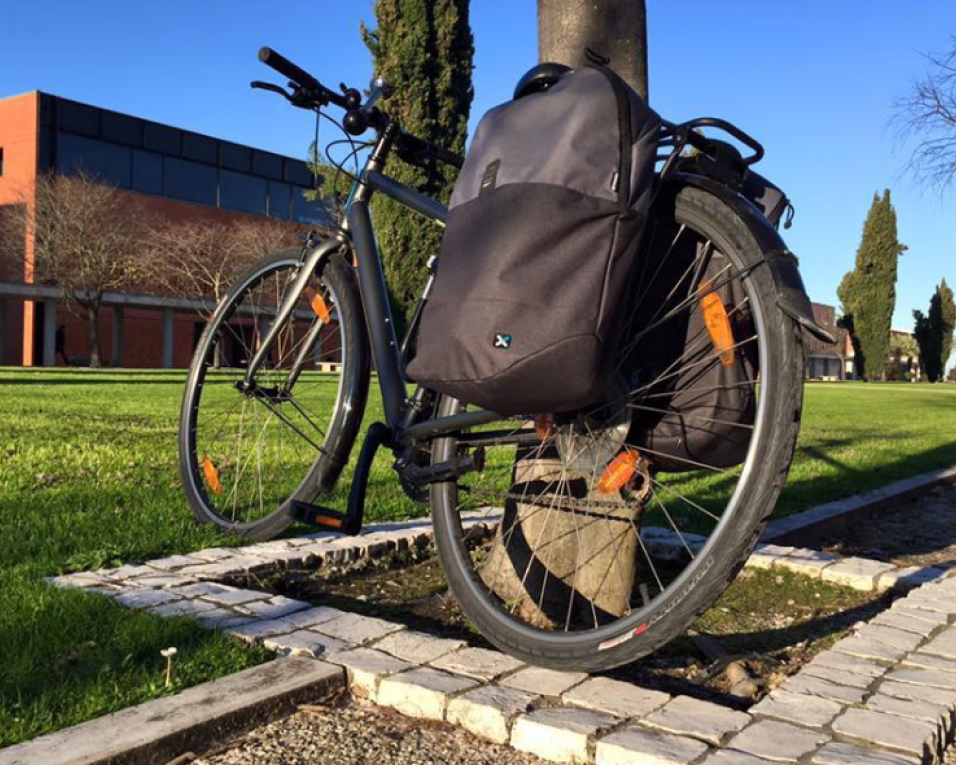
[
  {"x": 543, "y": 232},
  {"x": 701, "y": 416}
]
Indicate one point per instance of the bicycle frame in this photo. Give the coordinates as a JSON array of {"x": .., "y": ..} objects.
[{"x": 357, "y": 230}]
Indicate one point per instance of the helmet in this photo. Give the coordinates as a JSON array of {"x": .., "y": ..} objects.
[{"x": 539, "y": 78}]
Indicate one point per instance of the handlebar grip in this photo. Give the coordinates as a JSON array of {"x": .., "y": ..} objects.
[{"x": 286, "y": 68}]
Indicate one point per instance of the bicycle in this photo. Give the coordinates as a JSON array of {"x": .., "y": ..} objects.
[{"x": 279, "y": 383}]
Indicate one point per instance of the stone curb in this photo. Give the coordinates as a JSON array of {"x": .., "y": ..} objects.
[
  {"x": 809, "y": 526},
  {"x": 196, "y": 719},
  {"x": 888, "y": 691}
]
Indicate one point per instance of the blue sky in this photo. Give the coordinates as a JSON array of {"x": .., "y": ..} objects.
[{"x": 815, "y": 81}]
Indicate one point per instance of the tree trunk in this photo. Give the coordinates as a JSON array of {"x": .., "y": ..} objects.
[
  {"x": 93, "y": 317},
  {"x": 616, "y": 29},
  {"x": 568, "y": 567}
]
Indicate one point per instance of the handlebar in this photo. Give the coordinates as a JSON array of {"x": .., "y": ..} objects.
[
  {"x": 309, "y": 93},
  {"x": 300, "y": 77}
]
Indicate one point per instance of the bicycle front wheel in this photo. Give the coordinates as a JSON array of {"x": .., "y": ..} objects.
[
  {"x": 246, "y": 452},
  {"x": 620, "y": 525}
]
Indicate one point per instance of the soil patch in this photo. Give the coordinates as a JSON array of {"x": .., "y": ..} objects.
[
  {"x": 765, "y": 627},
  {"x": 920, "y": 531}
]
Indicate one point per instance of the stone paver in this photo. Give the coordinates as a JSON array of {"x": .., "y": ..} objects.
[
  {"x": 857, "y": 573},
  {"x": 777, "y": 741},
  {"x": 488, "y": 711},
  {"x": 938, "y": 714},
  {"x": 909, "y": 621},
  {"x": 809, "y": 563},
  {"x": 417, "y": 647},
  {"x": 899, "y": 639},
  {"x": 637, "y": 745},
  {"x": 908, "y": 577},
  {"x": 358, "y": 629},
  {"x": 853, "y": 665},
  {"x": 547, "y": 682},
  {"x": 810, "y": 711},
  {"x": 191, "y": 608},
  {"x": 559, "y": 735},
  {"x": 304, "y": 643},
  {"x": 839, "y": 753},
  {"x": 141, "y": 598},
  {"x": 366, "y": 667},
  {"x": 478, "y": 663},
  {"x": 930, "y": 677},
  {"x": 274, "y": 608},
  {"x": 615, "y": 697},
  {"x": 943, "y": 644},
  {"x": 863, "y": 648},
  {"x": 768, "y": 556},
  {"x": 731, "y": 757},
  {"x": 699, "y": 719},
  {"x": 919, "y": 693},
  {"x": 890, "y": 731},
  {"x": 920, "y": 660},
  {"x": 422, "y": 692},
  {"x": 810, "y": 685}
]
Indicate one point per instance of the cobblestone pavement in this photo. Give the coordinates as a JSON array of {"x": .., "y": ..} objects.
[
  {"x": 884, "y": 694},
  {"x": 360, "y": 734}
]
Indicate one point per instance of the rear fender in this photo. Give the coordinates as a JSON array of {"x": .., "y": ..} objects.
[{"x": 791, "y": 294}]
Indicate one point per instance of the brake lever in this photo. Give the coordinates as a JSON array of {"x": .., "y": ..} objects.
[{"x": 260, "y": 85}]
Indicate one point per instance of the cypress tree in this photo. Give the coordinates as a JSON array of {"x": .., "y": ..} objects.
[
  {"x": 868, "y": 293},
  {"x": 947, "y": 323},
  {"x": 424, "y": 50},
  {"x": 934, "y": 332}
]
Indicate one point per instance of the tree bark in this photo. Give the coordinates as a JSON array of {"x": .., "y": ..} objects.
[
  {"x": 616, "y": 29},
  {"x": 566, "y": 567},
  {"x": 93, "y": 317}
]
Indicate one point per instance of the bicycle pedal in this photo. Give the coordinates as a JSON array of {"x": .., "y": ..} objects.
[{"x": 322, "y": 517}]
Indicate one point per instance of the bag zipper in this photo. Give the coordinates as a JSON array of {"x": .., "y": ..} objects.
[{"x": 624, "y": 128}]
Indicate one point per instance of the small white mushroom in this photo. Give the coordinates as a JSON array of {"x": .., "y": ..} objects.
[{"x": 168, "y": 653}]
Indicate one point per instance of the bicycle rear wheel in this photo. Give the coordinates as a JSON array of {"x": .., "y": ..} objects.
[
  {"x": 246, "y": 453},
  {"x": 675, "y": 530}
]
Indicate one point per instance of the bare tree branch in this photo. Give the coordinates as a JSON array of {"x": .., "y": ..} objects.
[{"x": 928, "y": 114}]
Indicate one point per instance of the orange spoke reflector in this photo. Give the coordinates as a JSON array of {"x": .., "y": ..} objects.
[
  {"x": 718, "y": 325},
  {"x": 319, "y": 306},
  {"x": 544, "y": 425},
  {"x": 619, "y": 471},
  {"x": 212, "y": 475}
]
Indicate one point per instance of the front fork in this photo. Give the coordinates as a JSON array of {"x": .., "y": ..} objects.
[{"x": 310, "y": 265}]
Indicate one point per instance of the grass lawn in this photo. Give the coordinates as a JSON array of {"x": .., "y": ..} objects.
[{"x": 88, "y": 478}]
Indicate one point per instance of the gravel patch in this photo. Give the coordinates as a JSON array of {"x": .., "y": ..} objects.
[{"x": 359, "y": 733}]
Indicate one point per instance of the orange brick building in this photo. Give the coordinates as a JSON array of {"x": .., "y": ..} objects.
[{"x": 178, "y": 174}]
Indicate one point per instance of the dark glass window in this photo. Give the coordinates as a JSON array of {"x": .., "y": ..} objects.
[
  {"x": 200, "y": 148},
  {"x": 269, "y": 165},
  {"x": 105, "y": 161},
  {"x": 242, "y": 192},
  {"x": 189, "y": 181},
  {"x": 147, "y": 172},
  {"x": 165, "y": 140},
  {"x": 1, "y": 161},
  {"x": 78, "y": 118},
  {"x": 298, "y": 173},
  {"x": 122, "y": 129},
  {"x": 307, "y": 210},
  {"x": 235, "y": 157},
  {"x": 280, "y": 200}
]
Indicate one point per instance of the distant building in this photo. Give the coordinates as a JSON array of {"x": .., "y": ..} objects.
[
  {"x": 178, "y": 174},
  {"x": 825, "y": 361}
]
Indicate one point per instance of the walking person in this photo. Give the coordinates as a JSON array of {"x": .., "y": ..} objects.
[{"x": 61, "y": 344}]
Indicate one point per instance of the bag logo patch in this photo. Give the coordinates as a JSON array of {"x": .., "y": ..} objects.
[
  {"x": 490, "y": 177},
  {"x": 503, "y": 341}
]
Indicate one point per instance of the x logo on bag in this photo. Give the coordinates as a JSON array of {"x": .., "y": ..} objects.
[{"x": 503, "y": 341}]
